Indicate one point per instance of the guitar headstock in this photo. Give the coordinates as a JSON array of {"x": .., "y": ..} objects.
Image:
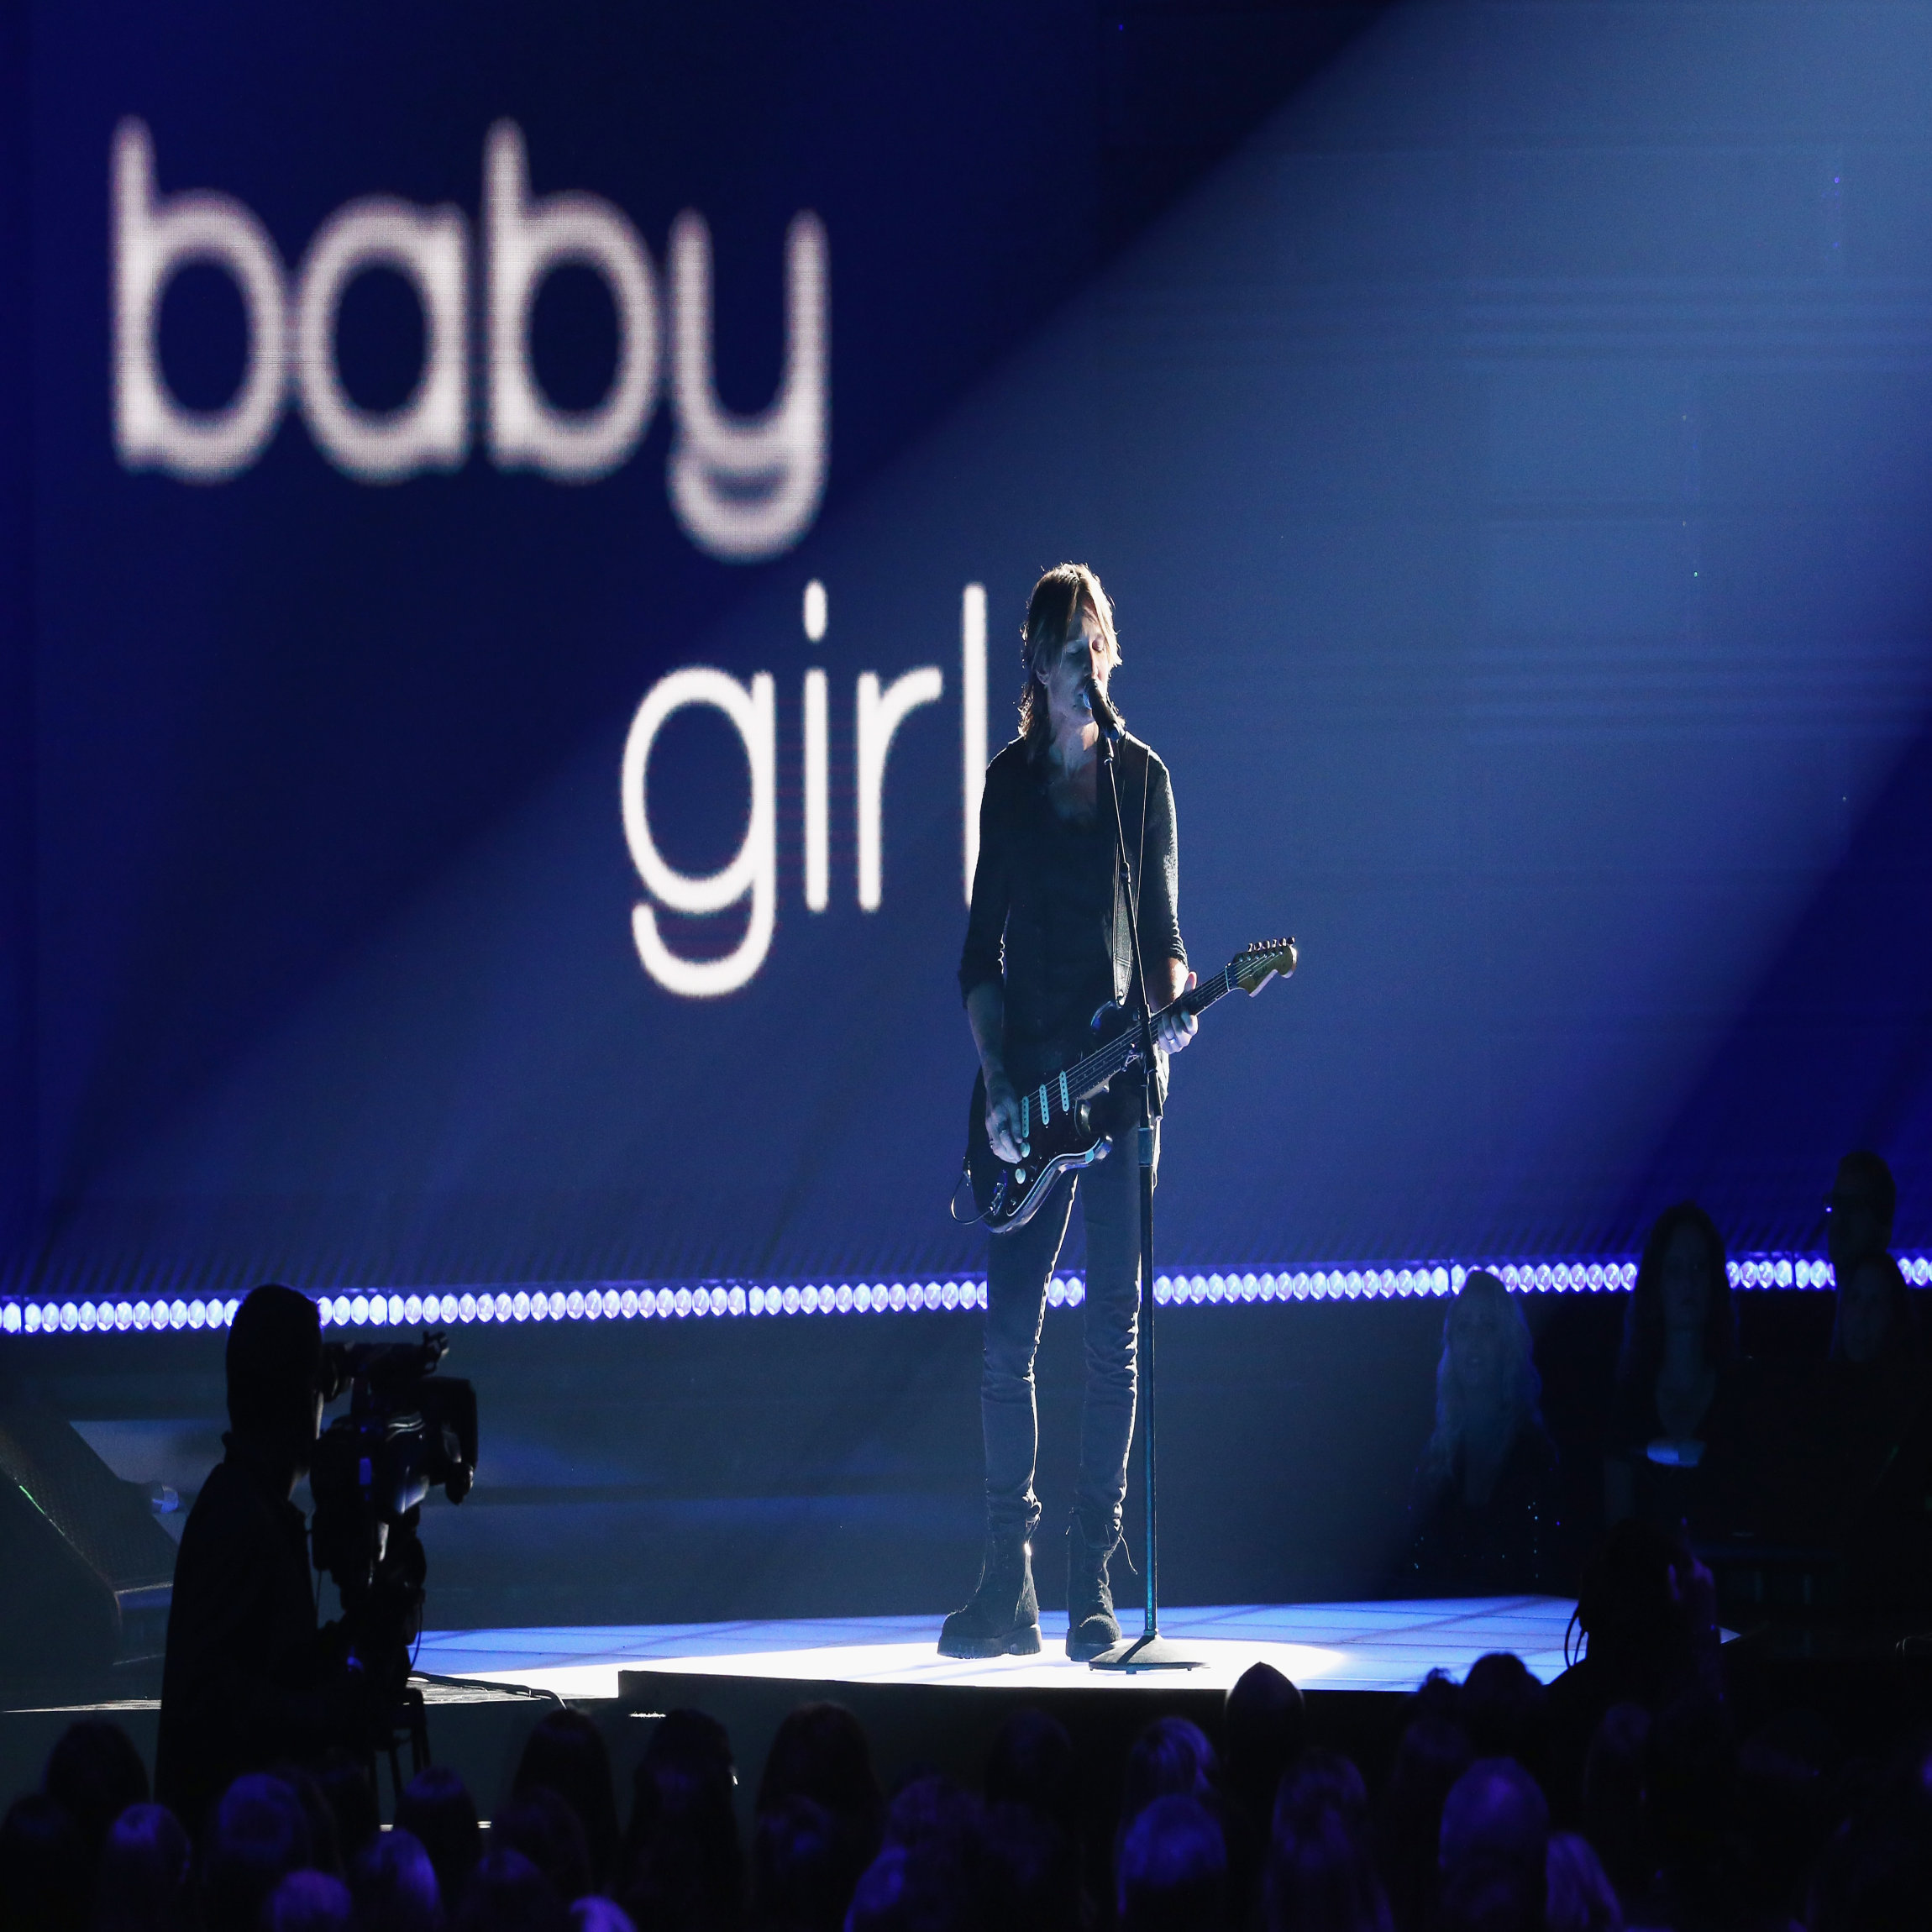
[{"x": 1254, "y": 965}]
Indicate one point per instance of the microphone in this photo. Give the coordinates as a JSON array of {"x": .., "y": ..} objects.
[{"x": 1104, "y": 716}]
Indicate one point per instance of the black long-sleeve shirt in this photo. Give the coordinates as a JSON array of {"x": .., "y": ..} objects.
[
  {"x": 249, "y": 1677},
  {"x": 1049, "y": 917}
]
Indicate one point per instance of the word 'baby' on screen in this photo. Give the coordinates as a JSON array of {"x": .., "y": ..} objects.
[{"x": 742, "y": 487}]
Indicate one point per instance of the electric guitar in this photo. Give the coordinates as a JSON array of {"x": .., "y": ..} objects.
[{"x": 1056, "y": 1130}]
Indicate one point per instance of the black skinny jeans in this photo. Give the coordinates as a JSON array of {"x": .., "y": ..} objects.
[{"x": 1018, "y": 1267}]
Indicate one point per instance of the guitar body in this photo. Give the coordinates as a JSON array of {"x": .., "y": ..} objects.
[
  {"x": 1060, "y": 1110},
  {"x": 1060, "y": 1134}
]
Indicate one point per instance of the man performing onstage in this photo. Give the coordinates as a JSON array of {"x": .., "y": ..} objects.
[{"x": 1047, "y": 945}]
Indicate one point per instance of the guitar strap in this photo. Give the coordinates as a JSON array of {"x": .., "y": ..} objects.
[
  {"x": 1123, "y": 944},
  {"x": 1140, "y": 856}
]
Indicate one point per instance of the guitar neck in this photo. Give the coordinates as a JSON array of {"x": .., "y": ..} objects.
[
  {"x": 1203, "y": 995},
  {"x": 1101, "y": 1065}
]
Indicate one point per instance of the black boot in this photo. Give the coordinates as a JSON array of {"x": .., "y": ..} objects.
[
  {"x": 1003, "y": 1619},
  {"x": 1090, "y": 1624}
]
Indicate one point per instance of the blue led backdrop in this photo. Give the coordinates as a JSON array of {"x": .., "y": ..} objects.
[{"x": 513, "y": 563}]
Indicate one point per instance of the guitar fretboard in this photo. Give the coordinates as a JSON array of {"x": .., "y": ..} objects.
[{"x": 1088, "y": 1076}]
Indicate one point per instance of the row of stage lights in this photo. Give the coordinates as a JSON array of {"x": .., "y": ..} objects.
[{"x": 25, "y": 1314}]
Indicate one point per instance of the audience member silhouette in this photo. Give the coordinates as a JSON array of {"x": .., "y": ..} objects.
[
  {"x": 1032, "y": 1763},
  {"x": 1874, "y": 1325},
  {"x": 1319, "y": 1880},
  {"x": 806, "y": 1868},
  {"x": 438, "y": 1811},
  {"x": 1171, "y": 1758},
  {"x": 1877, "y": 1872},
  {"x": 1578, "y": 1895},
  {"x": 1433, "y": 1753},
  {"x": 1438, "y": 1695},
  {"x": 538, "y": 1824},
  {"x": 931, "y": 1809},
  {"x": 916, "y": 1889},
  {"x": 1840, "y": 1452},
  {"x": 1496, "y": 1812},
  {"x": 1494, "y": 1850},
  {"x": 145, "y": 1879},
  {"x": 1031, "y": 1767},
  {"x": 324, "y": 1839},
  {"x": 1030, "y": 1878},
  {"x": 1859, "y": 1212},
  {"x": 1173, "y": 1869},
  {"x": 1323, "y": 1780},
  {"x": 932, "y": 1874},
  {"x": 394, "y": 1887},
  {"x": 566, "y": 1754},
  {"x": 821, "y": 1752},
  {"x": 885, "y": 1897},
  {"x": 1613, "y": 1805},
  {"x": 1504, "y": 1710},
  {"x": 507, "y": 1893},
  {"x": 1669, "y": 1419},
  {"x": 43, "y": 1868},
  {"x": 1321, "y": 1874},
  {"x": 596, "y": 1913},
  {"x": 1690, "y": 1767},
  {"x": 698, "y": 1744},
  {"x": 94, "y": 1773},
  {"x": 344, "y": 1781},
  {"x": 1648, "y": 1612},
  {"x": 311, "y": 1901},
  {"x": 1264, "y": 1729},
  {"x": 682, "y": 1865},
  {"x": 1783, "y": 1792},
  {"x": 259, "y": 1834},
  {"x": 1484, "y": 1513}
]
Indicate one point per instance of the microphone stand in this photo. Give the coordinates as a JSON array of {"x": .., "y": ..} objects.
[{"x": 1150, "y": 1650}]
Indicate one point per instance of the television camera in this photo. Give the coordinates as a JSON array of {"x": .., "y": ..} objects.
[{"x": 407, "y": 1429}]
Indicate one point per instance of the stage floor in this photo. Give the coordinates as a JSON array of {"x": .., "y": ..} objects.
[{"x": 1381, "y": 1646}]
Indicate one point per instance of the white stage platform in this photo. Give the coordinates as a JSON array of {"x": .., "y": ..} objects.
[{"x": 1379, "y": 1646}]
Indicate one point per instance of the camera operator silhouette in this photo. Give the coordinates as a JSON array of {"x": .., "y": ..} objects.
[{"x": 250, "y": 1679}]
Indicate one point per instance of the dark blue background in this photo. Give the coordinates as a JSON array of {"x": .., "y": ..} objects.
[{"x": 1508, "y": 462}]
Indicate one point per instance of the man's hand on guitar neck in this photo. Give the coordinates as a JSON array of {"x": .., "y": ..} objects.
[{"x": 1175, "y": 1030}]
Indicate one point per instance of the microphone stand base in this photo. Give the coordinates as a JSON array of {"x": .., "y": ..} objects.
[{"x": 1146, "y": 1653}]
